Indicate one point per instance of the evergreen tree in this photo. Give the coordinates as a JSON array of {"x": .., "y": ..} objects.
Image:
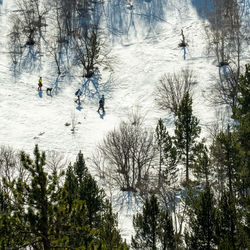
[
  {"x": 70, "y": 191},
  {"x": 88, "y": 218},
  {"x": 31, "y": 213},
  {"x": 187, "y": 130},
  {"x": 241, "y": 115},
  {"x": 171, "y": 160},
  {"x": 145, "y": 225},
  {"x": 40, "y": 214},
  {"x": 160, "y": 138},
  {"x": 166, "y": 231},
  {"x": 88, "y": 190},
  {"x": 241, "y": 112},
  {"x": 111, "y": 238},
  {"x": 227, "y": 153},
  {"x": 201, "y": 233},
  {"x": 227, "y": 221},
  {"x": 167, "y": 174},
  {"x": 153, "y": 227},
  {"x": 202, "y": 164}
]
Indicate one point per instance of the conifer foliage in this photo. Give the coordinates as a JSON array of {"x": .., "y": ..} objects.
[
  {"x": 187, "y": 130},
  {"x": 202, "y": 220},
  {"x": 42, "y": 213},
  {"x": 153, "y": 227}
]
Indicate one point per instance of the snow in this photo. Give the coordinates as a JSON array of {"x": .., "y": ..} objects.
[{"x": 144, "y": 42}]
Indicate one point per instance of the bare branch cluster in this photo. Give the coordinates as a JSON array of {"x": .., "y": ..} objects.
[
  {"x": 72, "y": 24},
  {"x": 129, "y": 152},
  {"x": 10, "y": 164},
  {"x": 171, "y": 89},
  {"x": 225, "y": 32}
]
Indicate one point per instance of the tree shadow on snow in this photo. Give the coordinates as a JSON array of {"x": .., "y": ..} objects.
[
  {"x": 55, "y": 85},
  {"x": 93, "y": 87},
  {"x": 1, "y": 2},
  {"x": 122, "y": 19},
  {"x": 30, "y": 59},
  {"x": 127, "y": 200},
  {"x": 204, "y": 8}
]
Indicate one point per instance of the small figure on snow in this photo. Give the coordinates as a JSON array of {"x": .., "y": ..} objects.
[
  {"x": 103, "y": 100},
  {"x": 40, "y": 84},
  {"x": 78, "y": 94},
  {"x": 48, "y": 91},
  {"x": 101, "y": 105}
]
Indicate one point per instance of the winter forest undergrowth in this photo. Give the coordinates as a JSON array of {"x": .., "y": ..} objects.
[{"x": 165, "y": 163}]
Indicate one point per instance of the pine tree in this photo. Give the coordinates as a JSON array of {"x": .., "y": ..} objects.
[
  {"x": 32, "y": 210},
  {"x": 241, "y": 112},
  {"x": 227, "y": 153},
  {"x": 88, "y": 190},
  {"x": 202, "y": 164},
  {"x": 227, "y": 221},
  {"x": 160, "y": 138},
  {"x": 153, "y": 227},
  {"x": 111, "y": 238},
  {"x": 241, "y": 116},
  {"x": 187, "y": 130},
  {"x": 168, "y": 157},
  {"x": 171, "y": 160},
  {"x": 201, "y": 233},
  {"x": 145, "y": 225},
  {"x": 41, "y": 214},
  {"x": 85, "y": 215},
  {"x": 166, "y": 231}
]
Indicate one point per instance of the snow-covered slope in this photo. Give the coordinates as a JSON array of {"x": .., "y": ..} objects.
[{"x": 144, "y": 43}]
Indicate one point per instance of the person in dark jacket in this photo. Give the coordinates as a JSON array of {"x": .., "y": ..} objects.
[
  {"x": 101, "y": 105},
  {"x": 78, "y": 94}
]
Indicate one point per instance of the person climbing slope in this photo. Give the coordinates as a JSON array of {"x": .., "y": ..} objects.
[
  {"x": 101, "y": 105},
  {"x": 78, "y": 94},
  {"x": 40, "y": 84}
]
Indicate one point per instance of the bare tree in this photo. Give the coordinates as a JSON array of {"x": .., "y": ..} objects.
[
  {"x": 55, "y": 49},
  {"x": 31, "y": 18},
  {"x": 56, "y": 161},
  {"x": 171, "y": 89},
  {"x": 225, "y": 32},
  {"x": 222, "y": 119},
  {"x": 225, "y": 89},
  {"x": 10, "y": 165},
  {"x": 15, "y": 41},
  {"x": 129, "y": 152},
  {"x": 87, "y": 46}
]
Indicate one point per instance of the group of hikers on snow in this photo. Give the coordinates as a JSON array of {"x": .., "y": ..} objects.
[{"x": 78, "y": 94}]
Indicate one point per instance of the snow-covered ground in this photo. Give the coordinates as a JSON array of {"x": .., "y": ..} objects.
[{"x": 144, "y": 43}]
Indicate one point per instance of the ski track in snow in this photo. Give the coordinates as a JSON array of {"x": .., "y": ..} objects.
[{"x": 144, "y": 45}]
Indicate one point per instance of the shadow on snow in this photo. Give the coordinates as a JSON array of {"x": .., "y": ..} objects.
[{"x": 122, "y": 20}]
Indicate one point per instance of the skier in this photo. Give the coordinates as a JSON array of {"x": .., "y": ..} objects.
[
  {"x": 101, "y": 105},
  {"x": 78, "y": 94},
  {"x": 40, "y": 84}
]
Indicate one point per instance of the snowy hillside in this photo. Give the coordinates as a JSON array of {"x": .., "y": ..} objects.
[{"x": 144, "y": 45}]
